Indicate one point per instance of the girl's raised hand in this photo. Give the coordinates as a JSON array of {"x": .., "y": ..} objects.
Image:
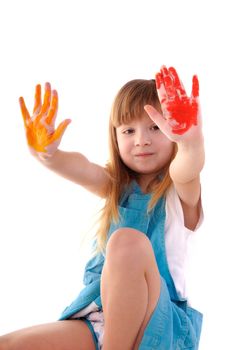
[
  {"x": 42, "y": 137},
  {"x": 180, "y": 118}
]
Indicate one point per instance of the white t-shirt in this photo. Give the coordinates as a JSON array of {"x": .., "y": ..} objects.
[{"x": 178, "y": 240}]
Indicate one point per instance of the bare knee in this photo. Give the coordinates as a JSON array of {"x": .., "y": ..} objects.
[
  {"x": 10, "y": 342},
  {"x": 127, "y": 244},
  {"x": 4, "y": 342},
  {"x": 57, "y": 335},
  {"x": 19, "y": 341}
]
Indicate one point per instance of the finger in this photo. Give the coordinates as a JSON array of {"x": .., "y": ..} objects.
[
  {"x": 47, "y": 99},
  {"x": 158, "y": 80},
  {"x": 37, "y": 102},
  {"x": 168, "y": 83},
  {"x": 164, "y": 71},
  {"x": 166, "y": 76},
  {"x": 177, "y": 83},
  {"x": 195, "y": 87},
  {"x": 60, "y": 130},
  {"x": 161, "y": 89},
  {"x": 52, "y": 113},
  {"x": 45, "y": 105},
  {"x": 24, "y": 111}
]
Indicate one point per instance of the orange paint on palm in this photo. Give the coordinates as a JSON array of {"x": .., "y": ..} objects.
[
  {"x": 40, "y": 131},
  {"x": 37, "y": 138}
]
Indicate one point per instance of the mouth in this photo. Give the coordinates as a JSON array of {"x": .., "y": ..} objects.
[{"x": 144, "y": 154}]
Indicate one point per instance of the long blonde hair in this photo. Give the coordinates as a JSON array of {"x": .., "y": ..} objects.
[{"x": 128, "y": 105}]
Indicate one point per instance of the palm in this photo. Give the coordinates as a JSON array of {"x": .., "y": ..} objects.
[
  {"x": 41, "y": 134},
  {"x": 180, "y": 118}
]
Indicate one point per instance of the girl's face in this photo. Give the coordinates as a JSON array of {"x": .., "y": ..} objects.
[{"x": 143, "y": 147}]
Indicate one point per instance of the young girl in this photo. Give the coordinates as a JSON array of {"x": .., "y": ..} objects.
[{"x": 135, "y": 290}]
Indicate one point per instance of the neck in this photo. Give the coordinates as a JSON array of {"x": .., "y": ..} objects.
[{"x": 145, "y": 180}]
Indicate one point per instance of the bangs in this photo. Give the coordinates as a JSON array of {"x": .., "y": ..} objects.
[{"x": 131, "y": 99}]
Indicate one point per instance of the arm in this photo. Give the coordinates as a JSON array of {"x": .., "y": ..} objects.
[
  {"x": 180, "y": 121},
  {"x": 185, "y": 172},
  {"x": 77, "y": 168},
  {"x": 43, "y": 141}
]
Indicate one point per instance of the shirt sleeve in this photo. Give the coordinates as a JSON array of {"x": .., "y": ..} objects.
[{"x": 175, "y": 209}]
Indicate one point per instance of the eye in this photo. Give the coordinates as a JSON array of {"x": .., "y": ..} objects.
[
  {"x": 154, "y": 127},
  {"x": 128, "y": 131}
]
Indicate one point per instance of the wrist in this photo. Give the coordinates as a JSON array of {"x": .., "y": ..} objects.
[
  {"x": 195, "y": 144},
  {"x": 47, "y": 158}
]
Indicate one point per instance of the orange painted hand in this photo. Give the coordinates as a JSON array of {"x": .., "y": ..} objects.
[
  {"x": 180, "y": 119},
  {"x": 42, "y": 137}
]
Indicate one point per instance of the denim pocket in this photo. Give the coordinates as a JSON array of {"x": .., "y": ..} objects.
[{"x": 189, "y": 334}]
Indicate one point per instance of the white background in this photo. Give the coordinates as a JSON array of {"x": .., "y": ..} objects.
[{"x": 88, "y": 50}]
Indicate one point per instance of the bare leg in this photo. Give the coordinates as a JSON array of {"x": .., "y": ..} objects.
[
  {"x": 61, "y": 335},
  {"x": 130, "y": 289}
]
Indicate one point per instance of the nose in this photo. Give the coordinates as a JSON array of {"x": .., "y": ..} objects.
[{"x": 142, "y": 139}]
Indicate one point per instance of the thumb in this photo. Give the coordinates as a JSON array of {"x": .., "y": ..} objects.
[
  {"x": 156, "y": 116},
  {"x": 60, "y": 130}
]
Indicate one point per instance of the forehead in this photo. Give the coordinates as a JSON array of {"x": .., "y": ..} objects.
[
  {"x": 142, "y": 119},
  {"x": 136, "y": 114}
]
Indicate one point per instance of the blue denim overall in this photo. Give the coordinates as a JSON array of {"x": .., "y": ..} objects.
[{"x": 174, "y": 325}]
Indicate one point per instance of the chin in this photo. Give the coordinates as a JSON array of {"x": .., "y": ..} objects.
[{"x": 146, "y": 172}]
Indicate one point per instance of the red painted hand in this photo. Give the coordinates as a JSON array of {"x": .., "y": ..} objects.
[
  {"x": 42, "y": 137},
  {"x": 180, "y": 110}
]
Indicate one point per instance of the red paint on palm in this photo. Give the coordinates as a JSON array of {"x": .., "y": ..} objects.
[
  {"x": 178, "y": 108},
  {"x": 184, "y": 115}
]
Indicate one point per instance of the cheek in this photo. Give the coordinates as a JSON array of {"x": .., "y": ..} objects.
[
  {"x": 169, "y": 145},
  {"x": 170, "y": 150},
  {"x": 166, "y": 146},
  {"x": 123, "y": 146}
]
